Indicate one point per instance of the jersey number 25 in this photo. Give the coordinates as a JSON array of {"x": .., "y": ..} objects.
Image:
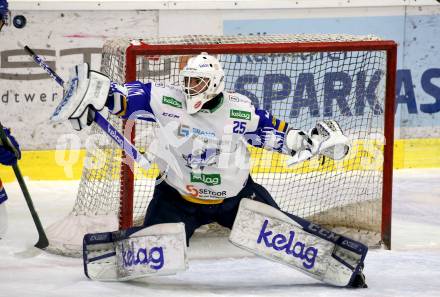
[{"x": 239, "y": 127}]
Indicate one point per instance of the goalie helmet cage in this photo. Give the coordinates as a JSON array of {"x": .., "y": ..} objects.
[{"x": 300, "y": 79}]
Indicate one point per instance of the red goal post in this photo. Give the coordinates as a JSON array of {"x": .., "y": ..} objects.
[{"x": 348, "y": 78}]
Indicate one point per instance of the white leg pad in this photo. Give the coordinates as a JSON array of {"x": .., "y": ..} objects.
[
  {"x": 120, "y": 256},
  {"x": 270, "y": 233}
]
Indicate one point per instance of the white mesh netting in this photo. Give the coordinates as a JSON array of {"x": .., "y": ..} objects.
[{"x": 297, "y": 87}]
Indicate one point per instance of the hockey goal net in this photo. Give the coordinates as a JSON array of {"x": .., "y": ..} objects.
[{"x": 298, "y": 78}]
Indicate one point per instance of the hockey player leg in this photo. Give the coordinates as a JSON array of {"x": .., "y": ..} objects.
[
  {"x": 281, "y": 237},
  {"x": 135, "y": 252}
]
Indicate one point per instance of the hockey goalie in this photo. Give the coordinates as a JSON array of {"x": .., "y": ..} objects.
[{"x": 203, "y": 135}]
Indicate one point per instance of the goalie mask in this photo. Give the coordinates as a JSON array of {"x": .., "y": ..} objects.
[{"x": 202, "y": 79}]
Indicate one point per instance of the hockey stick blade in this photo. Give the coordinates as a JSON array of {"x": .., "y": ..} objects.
[
  {"x": 102, "y": 122},
  {"x": 42, "y": 242}
]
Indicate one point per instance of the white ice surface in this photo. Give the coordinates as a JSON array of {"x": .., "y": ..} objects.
[{"x": 412, "y": 268}]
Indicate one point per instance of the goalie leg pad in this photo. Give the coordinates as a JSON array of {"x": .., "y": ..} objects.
[
  {"x": 290, "y": 240},
  {"x": 135, "y": 252}
]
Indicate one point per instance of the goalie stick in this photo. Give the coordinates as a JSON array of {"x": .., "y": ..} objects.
[
  {"x": 42, "y": 242},
  {"x": 102, "y": 122}
]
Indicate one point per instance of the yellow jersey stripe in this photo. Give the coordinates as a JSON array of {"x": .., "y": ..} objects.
[{"x": 201, "y": 201}]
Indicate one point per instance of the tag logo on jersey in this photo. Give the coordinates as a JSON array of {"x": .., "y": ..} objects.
[
  {"x": 240, "y": 114},
  {"x": 171, "y": 101},
  {"x": 207, "y": 179},
  {"x": 280, "y": 242}
]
